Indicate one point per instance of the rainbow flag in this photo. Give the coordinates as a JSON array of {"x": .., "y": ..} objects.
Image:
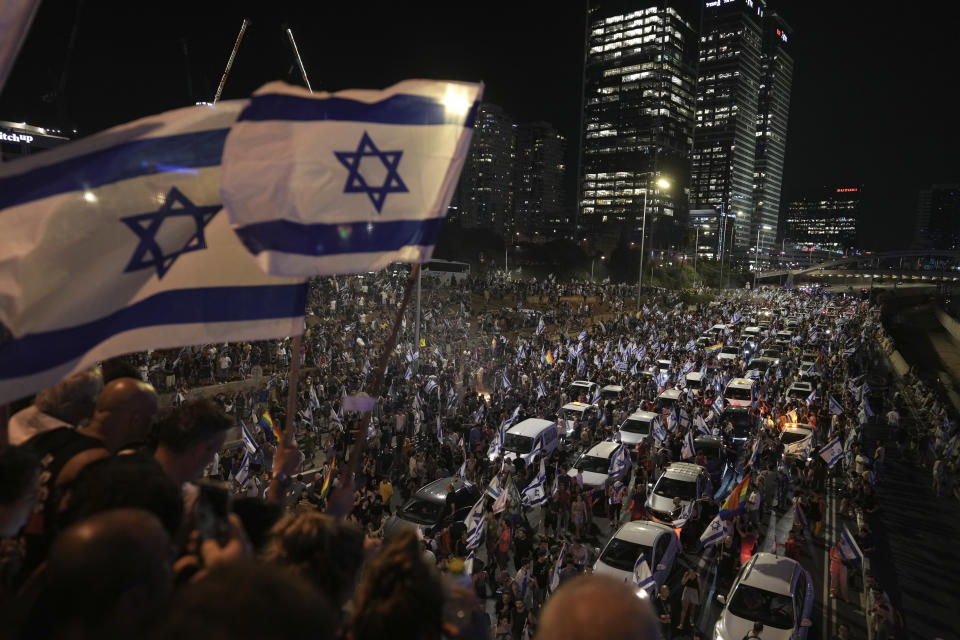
[
  {"x": 713, "y": 348},
  {"x": 738, "y": 495},
  {"x": 269, "y": 428},
  {"x": 549, "y": 357},
  {"x": 639, "y": 315},
  {"x": 326, "y": 481},
  {"x": 493, "y": 344}
]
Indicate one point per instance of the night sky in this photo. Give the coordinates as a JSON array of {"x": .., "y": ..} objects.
[{"x": 873, "y": 92}]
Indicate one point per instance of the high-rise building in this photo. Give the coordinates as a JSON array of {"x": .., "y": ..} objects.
[
  {"x": 19, "y": 139},
  {"x": 729, "y": 78},
  {"x": 538, "y": 202},
  {"x": 776, "y": 78},
  {"x": 825, "y": 220},
  {"x": 938, "y": 217},
  {"x": 484, "y": 195},
  {"x": 638, "y": 106}
]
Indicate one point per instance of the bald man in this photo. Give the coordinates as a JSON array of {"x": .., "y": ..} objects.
[
  {"x": 105, "y": 578},
  {"x": 597, "y": 608},
  {"x": 122, "y": 415}
]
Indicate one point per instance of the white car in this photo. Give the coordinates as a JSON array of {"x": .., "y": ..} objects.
[
  {"x": 799, "y": 391},
  {"x": 583, "y": 389},
  {"x": 637, "y": 427},
  {"x": 771, "y": 589},
  {"x": 683, "y": 480},
  {"x": 797, "y": 441},
  {"x": 729, "y": 354},
  {"x": 595, "y": 465},
  {"x": 657, "y": 542}
]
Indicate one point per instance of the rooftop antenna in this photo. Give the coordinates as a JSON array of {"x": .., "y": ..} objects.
[{"x": 233, "y": 54}]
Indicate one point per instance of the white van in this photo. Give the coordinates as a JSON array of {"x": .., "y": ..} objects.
[
  {"x": 529, "y": 438},
  {"x": 740, "y": 393},
  {"x": 752, "y": 332},
  {"x": 573, "y": 414}
]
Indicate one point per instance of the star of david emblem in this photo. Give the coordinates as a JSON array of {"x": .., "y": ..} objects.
[
  {"x": 716, "y": 526},
  {"x": 356, "y": 182},
  {"x": 147, "y": 225}
]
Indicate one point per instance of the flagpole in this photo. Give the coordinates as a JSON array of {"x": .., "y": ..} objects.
[
  {"x": 233, "y": 54},
  {"x": 296, "y": 54}
]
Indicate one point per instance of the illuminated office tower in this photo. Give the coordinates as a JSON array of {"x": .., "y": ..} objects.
[
  {"x": 728, "y": 86},
  {"x": 638, "y": 105},
  {"x": 538, "y": 201},
  {"x": 825, "y": 220}
]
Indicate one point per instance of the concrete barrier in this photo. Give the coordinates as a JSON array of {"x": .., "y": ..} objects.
[{"x": 950, "y": 324}]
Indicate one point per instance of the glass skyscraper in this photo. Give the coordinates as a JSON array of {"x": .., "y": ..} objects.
[
  {"x": 538, "y": 201},
  {"x": 638, "y": 109},
  {"x": 724, "y": 155},
  {"x": 776, "y": 78},
  {"x": 825, "y": 221}
]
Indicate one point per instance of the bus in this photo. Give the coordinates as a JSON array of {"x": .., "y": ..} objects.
[{"x": 443, "y": 270}]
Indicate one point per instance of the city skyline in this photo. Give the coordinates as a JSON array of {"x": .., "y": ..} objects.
[{"x": 847, "y": 125}]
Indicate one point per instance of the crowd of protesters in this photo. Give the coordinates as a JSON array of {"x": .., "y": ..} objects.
[{"x": 111, "y": 525}]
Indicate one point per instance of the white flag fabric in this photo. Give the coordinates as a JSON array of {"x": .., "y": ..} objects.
[
  {"x": 832, "y": 452},
  {"x": 642, "y": 576},
  {"x": 536, "y": 492},
  {"x": 117, "y": 243},
  {"x": 15, "y": 19},
  {"x": 714, "y": 532},
  {"x": 687, "y": 450},
  {"x": 474, "y": 522},
  {"x": 346, "y": 182}
]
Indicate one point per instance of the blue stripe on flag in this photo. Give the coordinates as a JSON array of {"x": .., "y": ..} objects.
[
  {"x": 38, "y": 352},
  {"x": 179, "y": 153},
  {"x": 332, "y": 239},
  {"x": 402, "y": 109}
]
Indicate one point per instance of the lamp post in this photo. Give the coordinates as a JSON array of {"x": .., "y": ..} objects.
[
  {"x": 663, "y": 184},
  {"x": 756, "y": 259}
]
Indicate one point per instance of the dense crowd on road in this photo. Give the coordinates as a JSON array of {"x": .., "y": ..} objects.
[{"x": 433, "y": 518}]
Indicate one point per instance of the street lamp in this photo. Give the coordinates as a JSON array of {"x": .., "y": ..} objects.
[
  {"x": 756, "y": 259},
  {"x": 663, "y": 184}
]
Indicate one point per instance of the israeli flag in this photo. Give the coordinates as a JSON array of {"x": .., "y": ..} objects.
[
  {"x": 451, "y": 397},
  {"x": 365, "y": 369},
  {"x": 832, "y": 452},
  {"x": 468, "y": 563},
  {"x": 541, "y": 325},
  {"x": 619, "y": 461},
  {"x": 494, "y": 489},
  {"x": 536, "y": 492},
  {"x": 496, "y": 445},
  {"x": 439, "y": 430},
  {"x": 684, "y": 419},
  {"x": 557, "y": 568},
  {"x": 753, "y": 454},
  {"x": 243, "y": 472},
  {"x": 658, "y": 431},
  {"x": 505, "y": 380},
  {"x": 596, "y": 397},
  {"x": 687, "y": 450},
  {"x": 848, "y": 546},
  {"x": 117, "y": 243},
  {"x": 350, "y": 327},
  {"x": 714, "y": 532},
  {"x": 430, "y": 385},
  {"x": 836, "y": 408},
  {"x": 718, "y": 405},
  {"x": 541, "y": 392},
  {"x": 620, "y": 366},
  {"x": 811, "y": 397},
  {"x": 314, "y": 400},
  {"x": 686, "y": 512},
  {"x": 474, "y": 522},
  {"x": 865, "y": 404},
  {"x": 408, "y": 373},
  {"x": 247, "y": 438},
  {"x": 319, "y": 183},
  {"x": 633, "y": 369},
  {"x": 642, "y": 576},
  {"x": 701, "y": 425},
  {"x": 582, "y": 336},
  {"x": 462, "y": 471}
]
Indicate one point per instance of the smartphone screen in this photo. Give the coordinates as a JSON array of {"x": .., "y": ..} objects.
[{"x": 213, "y": 508}]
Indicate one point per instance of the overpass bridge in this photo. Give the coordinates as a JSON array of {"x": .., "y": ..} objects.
[{"x": 913, "y": 266}]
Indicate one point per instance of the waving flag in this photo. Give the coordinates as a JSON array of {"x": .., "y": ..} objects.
[
  {"x": 865, "y": 405},
  {"x": 832, "y": 452},
  {"x": 687, "y": 451},
  {"x": 320, "y": 183},
  {"x": 738, "y": 495},
  {"x": 582, "y": 336},
  {"x": 117, "y": 243},
  {"x": 811, "y": 397},
  {"x": 848, "y": 547},
  {"x": 269, "y": 428},
  {"x": 642, "y": 576},
  {"x": 451, "y": 397},
  {"x": 836, "y": 408},
  {"x": 541, "y": 325},
  {"x": 494, "y": 489},
  {"x": 430, "y": 385},
  {"x": 505, "y": 381},
  {"x": 247, "y": 438},
  {"x": 474, "y": 522},
  {"x": 557, "y": 568},
  {"x": 619, "y": 461},
  {"x": 701, "y": 425},
  {"x": 541, "y": 392},
  {"x": 714, "y": 532},
  {"x": 550, "y": 357},
  {"x": 713, "y": 348},
  {"x": 658, "y": 431},
  {"x": 462, "y": 471},
  {"x": 536, "y": 492}
]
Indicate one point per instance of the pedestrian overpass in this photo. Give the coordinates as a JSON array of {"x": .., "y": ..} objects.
[{"x": 911, "y": 266}]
